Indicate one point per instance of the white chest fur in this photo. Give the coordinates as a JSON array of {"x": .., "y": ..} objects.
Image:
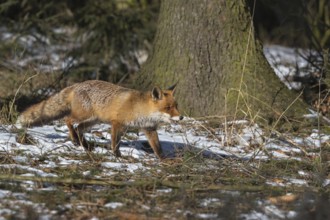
[{"x": 149, "y": 121}]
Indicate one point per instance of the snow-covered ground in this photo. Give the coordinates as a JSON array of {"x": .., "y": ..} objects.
[
  {"x": 247, "y": 142},
  {"x": 242, "y": 140}
]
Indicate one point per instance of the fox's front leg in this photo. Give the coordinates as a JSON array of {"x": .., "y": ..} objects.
[
  {"x": 153, "y": 140},
  {"x": 116, "y": 131}
]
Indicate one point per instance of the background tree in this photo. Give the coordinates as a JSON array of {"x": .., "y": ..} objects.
[
  {"x": 211, "y": 45},
  {"x": 210, "y": 48}
]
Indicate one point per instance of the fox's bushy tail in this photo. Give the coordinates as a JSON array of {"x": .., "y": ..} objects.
[{"x": 55, "y": 107}]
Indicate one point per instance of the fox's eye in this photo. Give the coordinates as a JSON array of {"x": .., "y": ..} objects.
[{"x": 167, "y": 108}]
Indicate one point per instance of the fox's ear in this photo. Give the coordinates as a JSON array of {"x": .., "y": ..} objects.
[
  {"x": 172, "y": 88},
  {"x": 156, "y": 93}
]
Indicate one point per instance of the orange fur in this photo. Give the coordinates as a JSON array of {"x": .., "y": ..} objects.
[{"x": 94, "y": 101}]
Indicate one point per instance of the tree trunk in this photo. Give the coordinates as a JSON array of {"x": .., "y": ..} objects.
[{"x": 209, "y": 48}]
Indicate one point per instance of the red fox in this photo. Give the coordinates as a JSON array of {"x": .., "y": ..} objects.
[{"x": 94, "y": 101}]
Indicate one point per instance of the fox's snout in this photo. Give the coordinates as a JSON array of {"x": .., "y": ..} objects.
[
  {"x": 177, "y": 118},
  {"x": 175, "y": 114}
]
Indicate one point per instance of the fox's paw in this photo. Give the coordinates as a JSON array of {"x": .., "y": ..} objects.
[
  {"x": 84, "y": 143},
  {"x": 117, "y": 153},
  {"x": 87, "y": 146},
  {"x": 75, "y": 140}
]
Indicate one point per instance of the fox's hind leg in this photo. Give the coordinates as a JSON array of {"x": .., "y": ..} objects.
[
  {"x": 83, "y": 126},
  {"x": 72, "y": 132},
  {"x": 77, "y": 134}
]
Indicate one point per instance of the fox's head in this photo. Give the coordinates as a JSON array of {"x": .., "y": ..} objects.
[{"x": 166, "y": 108}]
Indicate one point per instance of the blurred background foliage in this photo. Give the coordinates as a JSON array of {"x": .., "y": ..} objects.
[
  {"x": 94, "y": 38},
  {"x": 57, "y": 43},
  {"x": 295, "y": 23},
  {"x": 51, "y": 44}
]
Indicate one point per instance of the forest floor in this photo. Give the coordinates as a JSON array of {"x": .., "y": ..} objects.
[{"x": 213, "y": 170}]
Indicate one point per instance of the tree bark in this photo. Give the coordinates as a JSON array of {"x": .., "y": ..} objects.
[{"x": 209, "y": 48}]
